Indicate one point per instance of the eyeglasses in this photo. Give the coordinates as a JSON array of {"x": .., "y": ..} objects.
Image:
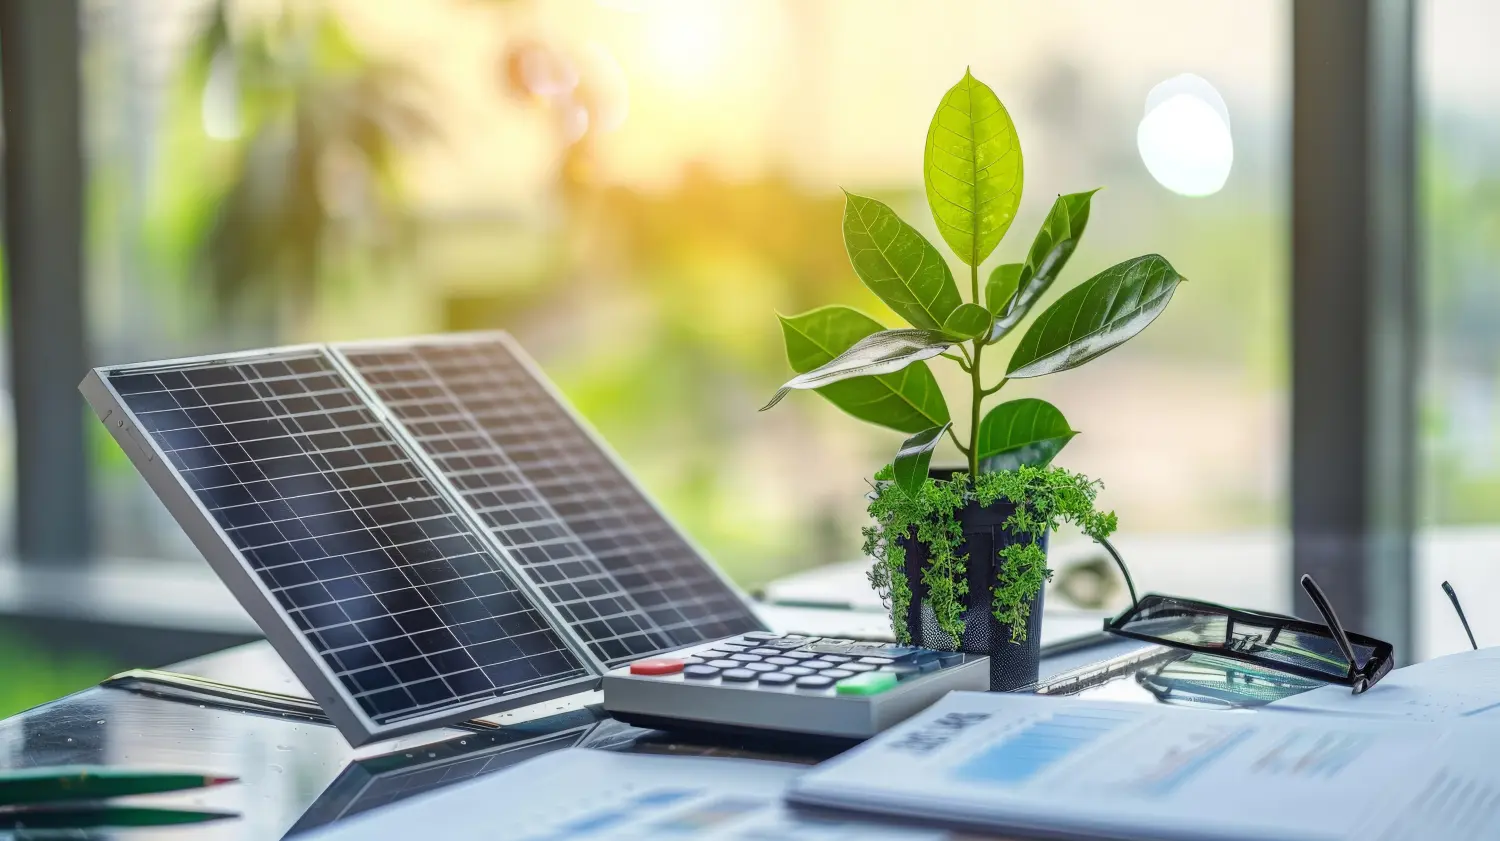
[
  {"x": 1459, "y": 609},
  {"x": 1325, "y": 653}
]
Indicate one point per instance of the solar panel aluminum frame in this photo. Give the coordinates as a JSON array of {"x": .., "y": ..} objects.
[
  {"x": 233, "y": 569},
  {"x": 535, "y": 371}
]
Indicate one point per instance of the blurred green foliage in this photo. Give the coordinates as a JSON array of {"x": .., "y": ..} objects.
[{"x": 32, "y": 675}]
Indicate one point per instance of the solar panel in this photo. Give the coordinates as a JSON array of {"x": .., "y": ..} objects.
[
  {"x": 334, "y": 529},
  {"x": 628, "y": 582},
  {"x": 421, "y": 527}
]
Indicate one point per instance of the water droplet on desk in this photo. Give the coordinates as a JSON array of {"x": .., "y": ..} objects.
[
  {"x": 463, "y": 741},
  {"x": 283, "y": 747},
  {"x": 70, "y": 738},
  {"x": 408, "y": 756},
  {"x": 100, "y": 721},
  {"x": 277, "y": 768},
  {"x": 431, "y": 755}
]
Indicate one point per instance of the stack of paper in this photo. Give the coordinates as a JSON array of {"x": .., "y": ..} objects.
[{"x": 1127, "y": 771}]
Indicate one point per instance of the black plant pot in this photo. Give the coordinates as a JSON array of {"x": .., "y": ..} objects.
[{"x": 1012, "y": 665}]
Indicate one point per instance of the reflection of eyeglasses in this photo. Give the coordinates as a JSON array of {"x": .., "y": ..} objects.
[{"x": 1308, "y": 650}]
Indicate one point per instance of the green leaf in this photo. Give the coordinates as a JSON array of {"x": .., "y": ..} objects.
[
  {"x": 969, "y": 321},
  {"x": 1050, "y": 251},
  {"x": 1025, "y": 431},
  {"x": 885, "y": 352},
  {"x": 1095, "y": 317},
  {"x": 913, "y": 458},
  {"x": 972, "y": 169},
  {"x": 907, "y": 401},
  {"x": 898, "y": 263},
  {"x": 1001, "y": 287}
]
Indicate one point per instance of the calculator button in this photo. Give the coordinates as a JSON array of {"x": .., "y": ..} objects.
[
  {"x": 730, "y": 647},
  {"x": 834, "y": 658},
  {"x": 764, "y": 651},
  {"x": 790, "y": 642},
  {"x": 858, "y": 667},
  {"x": 776, "y": 679},
  {"x": 745, "y": 658},
  {"x": 869, "y": 683},
  {"x": 657, "y": 666},
  {"x": 701, "y": 672},
  {"x": 760, "y": 635},
  {"x": 798, "y": 655},
  {"x": 760, "y": 667},
  {"x": 738, "y": 675},
  {"x": 692, "y": 661},
  {"x": 818, "y": 664},
  {"x": 950, "y": 658},
  {"x": 902, "y": 671},
  {"x": 781, "y": 661},
  {"x": 876, "y": 661},
  {"x": 728, "y": 664},
  {"x": 836, "y": 674},
  {"x": 814, "y": 682},
  {"x": 797, "y": 671}
]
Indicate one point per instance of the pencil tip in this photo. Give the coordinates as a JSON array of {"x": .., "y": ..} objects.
[{"x": 218, "y": 781}]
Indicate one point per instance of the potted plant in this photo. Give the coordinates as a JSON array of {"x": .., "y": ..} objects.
[{"x": 960, "y": 555}]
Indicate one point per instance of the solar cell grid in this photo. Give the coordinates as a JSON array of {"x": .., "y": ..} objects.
[
  {"x": 446, "y": 391},
  {"x": 401, "y": 599},
  {"x": 605, "y": 615}
]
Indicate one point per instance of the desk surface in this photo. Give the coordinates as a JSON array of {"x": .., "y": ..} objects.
[{"x": 296, "y": 775}]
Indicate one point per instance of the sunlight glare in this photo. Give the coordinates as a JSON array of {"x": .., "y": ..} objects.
[{"x": 1184, "y": 138}]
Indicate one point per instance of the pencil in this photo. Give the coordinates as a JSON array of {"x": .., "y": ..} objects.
[
  {"x": 98, "y": 817},
  {"x": 84, "y": 782}
]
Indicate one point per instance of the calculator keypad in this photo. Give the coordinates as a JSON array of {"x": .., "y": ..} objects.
[{"x": 793, "y": 663}]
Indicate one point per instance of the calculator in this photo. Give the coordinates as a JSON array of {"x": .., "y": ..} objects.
[{"x": 763, "y": 683}]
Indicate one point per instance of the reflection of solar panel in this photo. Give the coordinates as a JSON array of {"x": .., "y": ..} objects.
[
  {"x": 381, "y": 780},
  {"x": 421, "y": 528}
]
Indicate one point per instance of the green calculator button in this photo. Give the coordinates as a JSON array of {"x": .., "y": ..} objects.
[{"x": 869, "y": 683}]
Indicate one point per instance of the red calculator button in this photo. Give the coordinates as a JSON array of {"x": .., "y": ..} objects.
[{"x": 657, "y": 666}]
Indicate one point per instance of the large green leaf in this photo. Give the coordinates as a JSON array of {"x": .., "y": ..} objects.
[
  {"x": 972, "y": 169},
  {"x": 1050, "y": 251},
  {"x": 1026, "y": 431},
  {"x": 898, "y": 263},
  {"x": 885, "y": 352},
  {"x": 969, "y": 321},
  {"x": 914, "y": 457},
  {"x": 1095, "y": 317},
  {"x": 907, "y": 401}
]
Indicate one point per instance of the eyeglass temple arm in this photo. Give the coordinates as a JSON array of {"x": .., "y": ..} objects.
[
  {"x": 1120, "y": 562},
  {"x": 1324, "y": 607},
  {"x": 1453, "y": 597}
]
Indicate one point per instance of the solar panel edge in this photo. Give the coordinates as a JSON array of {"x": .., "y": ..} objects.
[
  {"x": 229, "y": 564},
  {"x": 440, "y": 480}
]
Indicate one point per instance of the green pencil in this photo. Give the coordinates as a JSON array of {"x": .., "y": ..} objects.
[
  {"x": 19, "y": 786},
  {"x": 99, "y": 817}
]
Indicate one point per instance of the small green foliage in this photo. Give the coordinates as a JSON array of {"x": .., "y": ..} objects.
[{"x": 1044, "y": 497}]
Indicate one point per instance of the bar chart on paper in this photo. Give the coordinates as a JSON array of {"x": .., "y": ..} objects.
[{"x": 1039, "y": 745}]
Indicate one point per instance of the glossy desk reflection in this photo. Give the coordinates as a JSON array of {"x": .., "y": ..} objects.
[{"x": 296, "y": 775}]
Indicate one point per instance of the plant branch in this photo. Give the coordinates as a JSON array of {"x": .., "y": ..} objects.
[
  {"x": 1003, "y": 380},
  {"x": 967, "y": 358},
  {"x": 961, "y": 363},
  {"x": 957, "y": 443}
]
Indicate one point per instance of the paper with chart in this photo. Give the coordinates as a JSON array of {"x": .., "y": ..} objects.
[
  {"x": 1464, "y": 686},
  {"x": 590, "y": 795},
  {"x": 1036, "y": 765}
]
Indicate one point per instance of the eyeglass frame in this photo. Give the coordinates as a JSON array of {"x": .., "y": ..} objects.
[{"x": 1358, "y": 678}]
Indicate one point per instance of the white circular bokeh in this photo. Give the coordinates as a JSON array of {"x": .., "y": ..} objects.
[{"x": 1184, "y": 138}]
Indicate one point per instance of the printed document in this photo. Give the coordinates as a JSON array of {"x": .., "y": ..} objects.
[
  {"x": 1098, "y": 769},
  {"x": 591, "y": 795}
]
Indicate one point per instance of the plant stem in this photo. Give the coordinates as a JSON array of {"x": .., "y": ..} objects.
[
  {"x": 961, "y": 363},
  {"x": 957, "y": 443},
  {"x": 973, "y": 452},
  {"x": 997, "y": 386}
]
